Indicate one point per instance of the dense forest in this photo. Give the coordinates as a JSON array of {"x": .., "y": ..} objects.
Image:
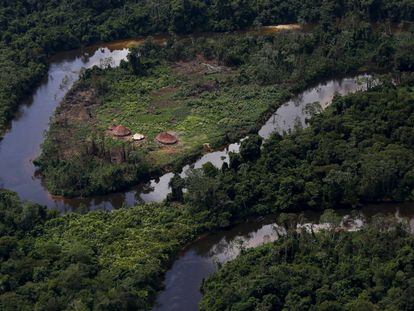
[
  {"x": 261, "y": 72},
  {"x": 97, "y": 261},
  {"x": 359, "y": 150},
  {"x": 30, "y": 31},
  {"x": 367, "y": 270},
  {"x": 363, "y": 153}
]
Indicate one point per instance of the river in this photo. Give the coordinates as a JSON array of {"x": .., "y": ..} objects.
[
  {"x": 203, "y": 257},
  {"x": 21, "y": 144}
]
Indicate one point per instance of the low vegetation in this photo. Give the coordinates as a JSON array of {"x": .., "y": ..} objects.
[
  {"x": 200, "y": 100},
  {"x": 209, "y": 92},
  {"x": 367, "y": 270}
]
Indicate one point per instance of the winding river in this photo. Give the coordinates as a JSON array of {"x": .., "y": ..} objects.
[{"x": 21, "y": 144}]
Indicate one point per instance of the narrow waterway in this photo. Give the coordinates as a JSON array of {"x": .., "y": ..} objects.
[
  {"x": 203, "y": 258},
  {"x": 21, "y": 144}
]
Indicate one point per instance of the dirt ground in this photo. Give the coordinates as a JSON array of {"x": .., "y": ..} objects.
[
  {"x": 199, "y": 66},
  {"x": 75, "y": 112}
]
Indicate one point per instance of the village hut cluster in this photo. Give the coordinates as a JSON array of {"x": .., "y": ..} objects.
[{"x": 121, "y": 131}]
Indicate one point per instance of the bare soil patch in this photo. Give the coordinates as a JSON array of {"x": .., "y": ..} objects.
[
  {"x": 162, "y": 98},
  {"x": 199, "y": 66},
  {"x": 74, "y": 113}
]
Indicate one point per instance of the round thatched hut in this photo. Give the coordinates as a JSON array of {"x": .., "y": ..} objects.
[
  {"x": 166, "y": 138},
  {"x": 121, "y": 131}
]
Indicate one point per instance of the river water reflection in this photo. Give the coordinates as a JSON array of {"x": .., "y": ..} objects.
[
  {"x": 202, "y": 258},
  {"x": 21, "y": 145}
]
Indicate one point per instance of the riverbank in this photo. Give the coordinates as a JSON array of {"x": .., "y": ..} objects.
[
  {"x": 204, "y": 96},
  {"x": 204, "y": 258},
  {"x": 16, "y": 169},
  {"x": 133, "y": 248},
  {"x": 331, "y": 270},
  {"x": 196, "y": 98},
  {"x": 124, "y": 255}
]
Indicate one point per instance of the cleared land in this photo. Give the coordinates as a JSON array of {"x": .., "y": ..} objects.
[{"x": 201, "y": 101}]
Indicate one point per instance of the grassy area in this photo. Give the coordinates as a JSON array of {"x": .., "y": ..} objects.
[
  {"x": 200, "y": 108},
  {"x": 201, "y": 100},
  {"x": 210, "y": 91}
]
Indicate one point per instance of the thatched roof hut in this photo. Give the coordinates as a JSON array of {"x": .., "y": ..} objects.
[
  {"x": 121, "y": 131},
  {"x": 166, "y": 138}
]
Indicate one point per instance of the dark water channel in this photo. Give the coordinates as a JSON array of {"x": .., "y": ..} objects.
[
  {"x": 202, "y": 258},
  {"x": 21, "y": 145}
]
